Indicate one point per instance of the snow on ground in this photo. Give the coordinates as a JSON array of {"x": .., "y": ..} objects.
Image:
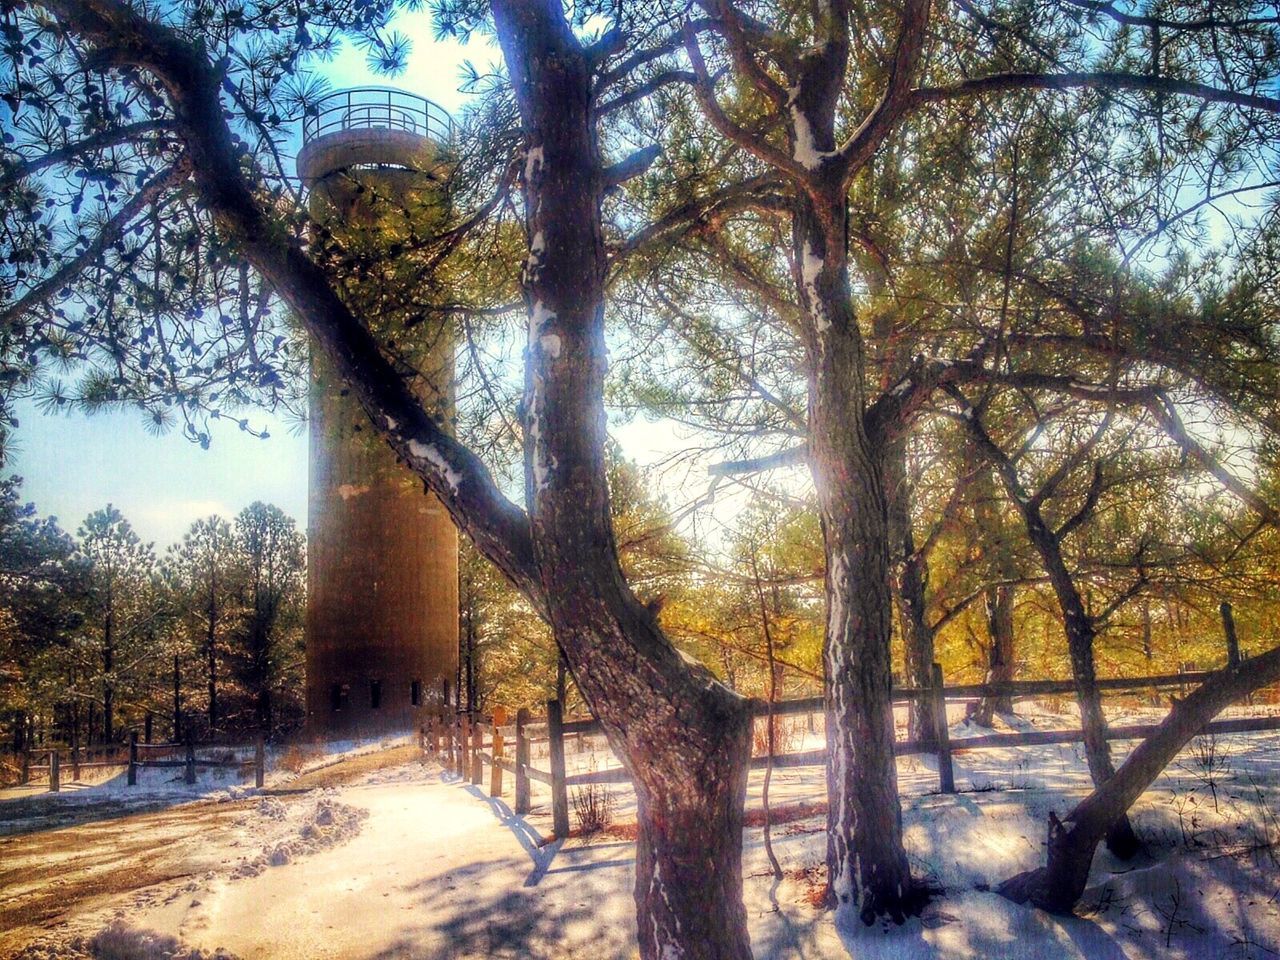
[
  {"x": 435, "y": 868},
  {"x": 164, "y": 786}
]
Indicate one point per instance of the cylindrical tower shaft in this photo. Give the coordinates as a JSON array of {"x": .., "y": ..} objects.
[{"x": 382, "y": 605}]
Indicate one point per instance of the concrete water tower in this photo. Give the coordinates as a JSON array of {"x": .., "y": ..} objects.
[{"x": 382, "y": 558}]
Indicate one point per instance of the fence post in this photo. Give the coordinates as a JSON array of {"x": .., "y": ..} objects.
[
  {"x": 448, "y": 743},
  {"x": 133, "y": 758},
  {"x": 1233, "y": 642},
  {"x": 477, "y": 748},
  {"x": 75, "y": 762},
  {"x": 465, "y": 748},
  {"x": 559, "y": 794},
  {"x": 946, "y": 775},
  {"x": 191, "y": 760},
  {"x": 495, "y": 775},
  {"x": 26, "y": 767},
  {"x": 259, "y": 761},
  {"x": 55, "y": 773},
  {"x": 522, "y": 762}
]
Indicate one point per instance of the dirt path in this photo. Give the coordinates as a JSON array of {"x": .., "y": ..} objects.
[
  {"x": 101, "y": 851},
  {"x": 51, "y": 876}
]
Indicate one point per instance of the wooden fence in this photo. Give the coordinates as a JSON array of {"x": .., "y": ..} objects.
[
  {"x": 137, "y": 755},
  {"x": 459, "y": 740}
]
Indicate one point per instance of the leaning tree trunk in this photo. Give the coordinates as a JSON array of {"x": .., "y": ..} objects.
[
  {"x": 1058, "y": 886},
  {"x": 868, "y": 873}
]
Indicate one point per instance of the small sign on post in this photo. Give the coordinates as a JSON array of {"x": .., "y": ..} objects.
[{"x": 55, "y": 773}]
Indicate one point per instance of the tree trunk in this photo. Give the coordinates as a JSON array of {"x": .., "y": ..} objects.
[
  {"x": 868, "y": 874},
  {"x": 688, "y": 889},
  {"x": 177, "y": 700},
  {"x": 685, "y": 738},
  {"x": 998, "y": 598},
  {"x": 211, "y": 654},
  {"x": 912, "y": 571},
  {"x": 1058, "y": 886},
  {"x": 998, "y": 601},
  {"x": 108, "y": 664}
]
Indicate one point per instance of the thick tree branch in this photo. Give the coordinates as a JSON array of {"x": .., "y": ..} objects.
[
  {"x": 451, "y": 470},
  {"x": 897, "y": 99},
  {"x": 790, "y": 457},
  {"x": 753, "y": 144}
]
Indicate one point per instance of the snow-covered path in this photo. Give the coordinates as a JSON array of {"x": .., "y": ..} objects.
[
  {"x": 438, "y": 870},
  {"x": 397, "y": 861}
]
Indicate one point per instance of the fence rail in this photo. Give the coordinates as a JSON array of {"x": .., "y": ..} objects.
[
  {"x": 134, "y": 758},
  {"x": 459, "y": 739}
]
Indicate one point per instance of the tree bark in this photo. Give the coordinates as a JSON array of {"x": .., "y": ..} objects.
[
  {"x": 685, "y": 738},
  {"x": 912, "y": 575},
  {"x": 867, "y": 865},
  {"x": 998, "y": 602},
  {"x": 1058, "y": 886}
]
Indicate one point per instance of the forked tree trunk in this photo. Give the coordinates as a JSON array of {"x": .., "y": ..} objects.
[
  {"x": 1058, "y": 886},
  {"x": 912, "y": 575},
  {"x": 1078, "y": 625},
  {"x": 998, "y": 602},
  {"x": 684, "y": 737}
]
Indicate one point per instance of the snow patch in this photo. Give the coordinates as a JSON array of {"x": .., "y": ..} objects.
[
  {"x": 810, "y": 269},
  {"x": 327, "y": 824},
  {"x": 433, "y": 456},
  {"x": 550, "y": 344},
  {"x": 533, "y": 163},
  {"x": 539, "y": 317},
  {"x": 348, "y": 490},
  {"x": 806, "y": 151}
]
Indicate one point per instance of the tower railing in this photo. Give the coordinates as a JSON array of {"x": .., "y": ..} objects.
[{"x": 376, "y": 108}]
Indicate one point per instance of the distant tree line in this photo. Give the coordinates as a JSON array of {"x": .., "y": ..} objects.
[{"x": 99, "y": 635}]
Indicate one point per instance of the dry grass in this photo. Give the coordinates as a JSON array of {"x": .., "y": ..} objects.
[
  {"x": 787, "y": 735},
  {"x": 297, "y": 756},
  {"x": 786, "y": 813},
  {"x": 593, "y": 808}
]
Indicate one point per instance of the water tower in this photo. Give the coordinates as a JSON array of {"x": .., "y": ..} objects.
[{"x": 382, "y": 557}]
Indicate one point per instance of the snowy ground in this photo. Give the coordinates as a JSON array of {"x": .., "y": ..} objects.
[{"x": 405, "y": 862}]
